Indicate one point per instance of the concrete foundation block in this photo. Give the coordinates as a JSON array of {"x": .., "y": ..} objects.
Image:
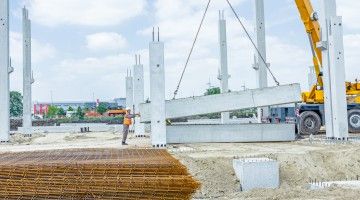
[
  {"x": 74, "y": 129},
  {"x": 257, "y": 173}
]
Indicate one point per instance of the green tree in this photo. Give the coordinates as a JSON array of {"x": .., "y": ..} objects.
[
  {"x": 101, "y": 109},
  {"x": 53, "y": 111},
  {"x": 16, "y": 105},
  {"x": 70, "y": 108},
  {"x": 79, "y": 113},
  {"x": 212, "y": 91},
  {"x": 62, "y": 112}
]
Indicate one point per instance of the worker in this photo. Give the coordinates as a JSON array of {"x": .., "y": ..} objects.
[{"x": 127, "y": 122}]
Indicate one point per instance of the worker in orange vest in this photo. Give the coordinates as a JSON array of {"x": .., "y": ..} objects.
[{"x": 127, "y": 123}]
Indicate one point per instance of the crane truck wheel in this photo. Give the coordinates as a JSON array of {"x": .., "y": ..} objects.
[
  {"x": 309, "y": 123},
  {"x": 354, "y": 120}
]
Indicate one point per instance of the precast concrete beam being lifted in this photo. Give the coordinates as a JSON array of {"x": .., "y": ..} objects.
[{"x": 232, "y": 101}]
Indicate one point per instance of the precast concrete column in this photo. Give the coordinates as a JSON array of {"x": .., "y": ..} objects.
[
  {"x": 138, "y": 95},
  {"x": 312, "y": 80},
  {"x": 260, "y": 64},
  {"x": 129, "y": 92},
  {"x": 27, "y": 74},
  {"x": 4, "y": 72},
  {"x": 157, "y": 93},
  {"x": 223, "y": 75},
  {"x": 333, "y": 72}
]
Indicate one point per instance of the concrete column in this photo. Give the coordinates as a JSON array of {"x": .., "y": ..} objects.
[
  {"x": 333, "y": 72},
  {"x": 138, "y": 95},
  {"x": 223, "y": 75},
  {"x": 27, "y": 74},
  {"x": 4, "y": 72},
  {"x": 129, "y": 92},
  {"x": 157, "y": 93},
  {"x": 260, "y": 64},
  {"x": 311, "y": 77}
]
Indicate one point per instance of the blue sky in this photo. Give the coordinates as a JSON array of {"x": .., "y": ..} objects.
[{"x": 81, "y": 47}]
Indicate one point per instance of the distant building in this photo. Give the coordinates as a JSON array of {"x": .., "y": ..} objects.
[
  {"x": 41, "y": 108},
  {"x": 121, "y": 102}
]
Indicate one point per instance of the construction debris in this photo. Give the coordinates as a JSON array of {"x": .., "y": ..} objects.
[{"x": 94, "y": 174}]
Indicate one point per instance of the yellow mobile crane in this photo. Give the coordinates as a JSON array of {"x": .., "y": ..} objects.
[{"x": 311, "y": 113}]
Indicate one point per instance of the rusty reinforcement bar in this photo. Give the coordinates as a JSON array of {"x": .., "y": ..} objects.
[{"x": 94, "y": 174}]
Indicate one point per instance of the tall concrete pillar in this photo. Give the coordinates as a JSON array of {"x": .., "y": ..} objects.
[
  {"x": 260, "y": 64},
  {"x": 223, "y": 75},
  {"x": 27, "y": 74},
  {"x": 157, "y": 92},
  {"x": 4, "y": 72},
  {"x": 334, "y": 72},
  {"x": 138, "y": 95},
  {"x": 129, "y": 92},
  {"x": 312, "y": 80}
]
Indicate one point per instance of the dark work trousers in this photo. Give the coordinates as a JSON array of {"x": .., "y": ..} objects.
[{"x": 125, "y": 132}]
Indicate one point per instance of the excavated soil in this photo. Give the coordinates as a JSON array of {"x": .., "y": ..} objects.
[{"x": 211, "y": 164}]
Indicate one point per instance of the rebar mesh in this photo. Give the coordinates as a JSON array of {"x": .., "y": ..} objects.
[{"x": 94, "y": 174}]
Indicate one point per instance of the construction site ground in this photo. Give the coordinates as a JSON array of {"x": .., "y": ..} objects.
[{"x": 211, "y": 164}]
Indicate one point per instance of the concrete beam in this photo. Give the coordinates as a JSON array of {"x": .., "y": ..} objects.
[
  {"x": 338, "y": 184},
  {"x": 224, "y": 133},
  {"x": 4, "y": 72},
  {"x": 27, "y": 74},
  {"x": 74, "y": 128},
  {"x": 227, "y": 102}
]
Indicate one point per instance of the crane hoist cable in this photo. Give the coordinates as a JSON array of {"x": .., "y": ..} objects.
[
  {"x": 192, "y": 48},
  {"x": 197, "y": 35},
  {"x": 253, "y": 43}
]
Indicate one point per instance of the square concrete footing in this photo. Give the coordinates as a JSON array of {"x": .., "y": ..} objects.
[{"x": 257, "y": 173}]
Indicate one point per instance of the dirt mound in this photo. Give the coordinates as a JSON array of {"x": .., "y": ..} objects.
[{"x": 212, "y": 166}]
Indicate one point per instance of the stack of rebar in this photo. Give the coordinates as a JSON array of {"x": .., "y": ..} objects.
[{"x": 94, "y": 174}]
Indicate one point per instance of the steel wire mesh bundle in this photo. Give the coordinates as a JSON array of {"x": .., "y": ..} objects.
[{"x": 94, "y": 174}]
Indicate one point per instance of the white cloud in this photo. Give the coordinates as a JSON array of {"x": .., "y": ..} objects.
[
  {"x": 78, "y": 78},
  {"x": 40, "y": 53},
  {"x": 105, "y": 41},
  {"x": 349, "y": 10},
  {"x": 85, "y": 12},
  {"x": 352, "y": 55}
]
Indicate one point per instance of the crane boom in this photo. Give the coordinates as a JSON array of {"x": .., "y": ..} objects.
[{"x": 312, "y": 26}]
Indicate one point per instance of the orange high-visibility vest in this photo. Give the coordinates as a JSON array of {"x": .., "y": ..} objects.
[{"x": 127, "y": 121}]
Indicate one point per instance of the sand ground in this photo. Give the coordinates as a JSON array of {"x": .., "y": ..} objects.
[{"x": 211, "y": 164}]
